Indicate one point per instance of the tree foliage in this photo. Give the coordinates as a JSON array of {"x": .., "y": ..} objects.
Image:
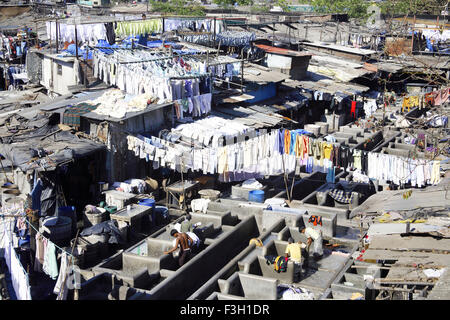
[
  {"x": 358, "y": 8},
  {"x": 412, "y": 7},
  {"x": 230, "y": 3},
  {"x": 178, "y": 7},
  {"x": 354, "y": 8}
]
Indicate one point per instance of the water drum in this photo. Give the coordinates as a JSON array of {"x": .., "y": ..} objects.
[
  {"x": 8, "y": 193},
  {"x": 161, "y": 214},
  {"x": 58, "y": 228},
  {"x": 256, "y": 196},
  {"x": 71, "y": 213}
]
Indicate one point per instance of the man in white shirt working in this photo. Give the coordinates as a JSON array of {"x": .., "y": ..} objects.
[{"x": 314, "y": 236}]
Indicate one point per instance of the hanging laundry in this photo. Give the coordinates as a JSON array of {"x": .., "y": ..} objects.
[
  {"x": 353, "y": 109},
  {"x": 41, "y": 246},
  {"x": 127, "y": 28},
  {"x": 406, "y": 103},
  {"x": 50, "y": 265},
  {"x": 61, "y": 289}
]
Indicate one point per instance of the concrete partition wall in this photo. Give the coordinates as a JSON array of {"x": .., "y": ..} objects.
[
  {"x": 293, "y": 217},
  {"x": 249, "y": 286},
  {"x": 257, "y": 287},
  {"x": 276, "y": 248},
  {"x": 240, "y": 208},
  {"x": 216, "y": 220},
  {"x": 233, "y": 265},
  {"x": 312, "y": 209},
  {"x": 202, "y": 267}
]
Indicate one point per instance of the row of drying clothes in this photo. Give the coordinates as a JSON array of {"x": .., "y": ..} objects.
[
  {"x": 127, "y": 28},
  {"x": 19, "y": 277},
  {"x": 436, "y": 35},
  {"x": 155, "y": 78},
  {"x": 267, "y": 154},
  {"x": 194, "y": 106},
  {"x": 108, "y": 31},
  {"x": 433, "y": 98},
  {"x": 85, "y": 32},
  {"x": 12, "y": 47},
  {"x": 341, "y": 102},
  {"x": 280, "y": 151},
  {"x": 358, "y": 40},
  {"x": 171, "y": 24},
  {"x": 46, "y": 261}
]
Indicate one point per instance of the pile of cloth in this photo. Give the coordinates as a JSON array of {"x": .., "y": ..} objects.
[
  {"x": 294, "y": 293},
  {"x": 116, "y": 104},
  {"x": 131, "y": 186},
  {"x": 200, "y": 205}
]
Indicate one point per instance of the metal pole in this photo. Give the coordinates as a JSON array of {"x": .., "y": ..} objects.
[
  {"x": 57, "y": 35},
  {"x": 76, "y": 42},
  {"x": 273, "y": 34},
  {"x": 214, "y": 31},
  {"x": 242, "y": 71},
  {"x": 50, "y": 33},
  {"x": 37, "y": 36},
  {"x": 86, "y": 69}
]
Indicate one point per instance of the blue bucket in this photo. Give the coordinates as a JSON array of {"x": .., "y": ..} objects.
[
  {"x": 256, "y": 196},
  {"x": 147, "y": 202}
]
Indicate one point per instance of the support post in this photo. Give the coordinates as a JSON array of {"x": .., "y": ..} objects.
[
  {"x": 242, "y": 71},
  {"x": 76, "y": 42},
  {"x": 57, "y": 35},
  {"x": 214, "y": 31}
]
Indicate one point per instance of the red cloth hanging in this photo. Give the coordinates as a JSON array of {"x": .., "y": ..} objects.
[{"x": 353, "y": 110}]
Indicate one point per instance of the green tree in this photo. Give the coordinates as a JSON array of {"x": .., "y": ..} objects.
[
  {"x": 230, "y": 3},
  {"x": 178, "y": 7},
  {"x": 412, "y": 7},
  {"x": 354, "y": 8},
  {"x": 283, "y": 4}
]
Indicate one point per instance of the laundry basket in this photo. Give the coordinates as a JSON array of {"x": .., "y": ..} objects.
[
  {"x": 210, "y": 194},
  {"x": 92, "y": 218}
]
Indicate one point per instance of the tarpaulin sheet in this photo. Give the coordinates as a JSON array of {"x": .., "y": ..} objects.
[
  {"x": 26, "y": 151},
  {"x": 107, "y": 227}
]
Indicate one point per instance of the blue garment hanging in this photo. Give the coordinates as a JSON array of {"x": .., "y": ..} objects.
[{"x": 330, "y": 175}]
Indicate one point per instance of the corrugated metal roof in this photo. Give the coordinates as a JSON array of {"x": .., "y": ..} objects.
[{"x": 283, "y": 51}]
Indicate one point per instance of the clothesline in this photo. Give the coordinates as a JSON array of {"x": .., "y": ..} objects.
[
  {"x": 60, "y": 286},
  {"x": 262, "y": 155}
]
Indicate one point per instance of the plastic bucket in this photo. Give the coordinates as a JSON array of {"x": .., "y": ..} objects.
[
  {"x": 111, "y": 209},
  {"x": 256, "y": 196}
]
